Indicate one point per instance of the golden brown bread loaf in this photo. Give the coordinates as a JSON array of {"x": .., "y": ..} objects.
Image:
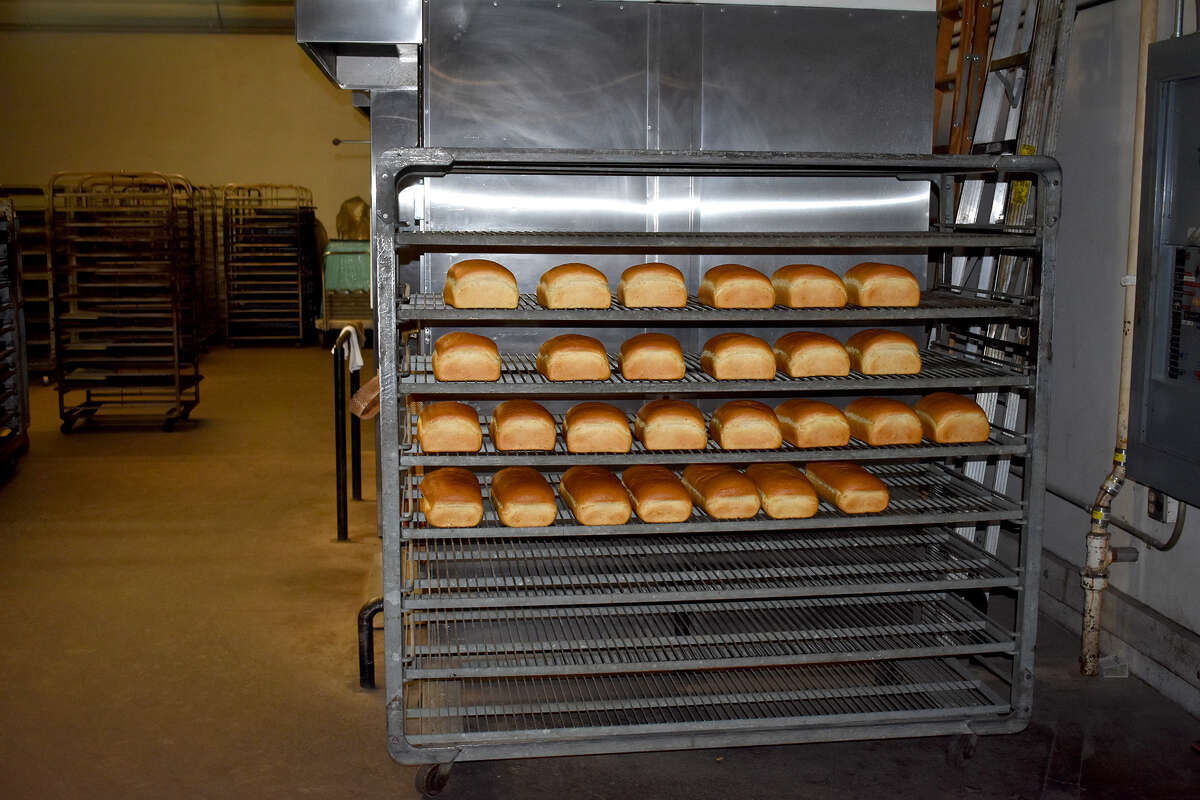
[
  {"x": 881, "y": 420},
  {"x": 522, "y": 425},
  {"x": 803, "y": 354},
  {"x": 593, "y": 427},
  {"x": 811, "y": 423},
  {"x": 652, "y": 357},
  {"x": 449, "y": 427},
  {"x": 745, "y": 425},
  {"x": 670, "y": 425},
  {"x": 652, "y": 285},
  {"x": 722, "y": 491},
  {"x": 572, "y": 357},
  {"x": 450, "y": 498},
  {"x": 808, "y": 286},
  {"x": 595, "y": 496},
  {"x": 574, "y": 285},
  {"x": 461, "y": 356},
  {"x": 523, "y": 498},
  {"x": 848, "y": 486},
  {"x": 875, "y": 284},
  {"x": 881, "y": 352},
  {"x": 783, "y": 491},
  {"x": 479, "y": 283},
  {"x": 736, "y": 286},
  {"x": 948, "y": 418},
  {"x": 738, "y": 356},
  {"x": 657, "y": 493}
]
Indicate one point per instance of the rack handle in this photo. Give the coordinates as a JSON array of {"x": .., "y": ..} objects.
[
  {"x": 406, "y": 443},
  {"x": 407, "y": 498}
]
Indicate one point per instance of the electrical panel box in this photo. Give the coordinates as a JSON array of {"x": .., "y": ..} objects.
[{"x": 1164, "y": 426}]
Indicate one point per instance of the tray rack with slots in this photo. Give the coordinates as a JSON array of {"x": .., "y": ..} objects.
[
  {"x": 270, "y": 263},
  {"x": 126, "y": 304},
  {"x": 505, "y": 642},
  {"x": 14, "y": 389},
  {"x": 210, "y": 278},
  {"x": 29, "y": 206}
]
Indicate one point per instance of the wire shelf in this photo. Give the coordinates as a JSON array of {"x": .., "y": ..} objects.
[
  {"x": 1000, "y": 442},
  {"x": 921, "y": 494},
  {"x": 936, "y": 304},
  {"x": 486, "y": 573},
  {"x": 497, "y": 710},
  {"x": 519, "y": 376}
]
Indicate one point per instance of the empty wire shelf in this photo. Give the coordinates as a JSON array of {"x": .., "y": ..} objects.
[
  {"x": 921, "y": 494},
  {"x": 480, "y": 573},
  {"x": 597, "y": 640},
  {"x": 522, "y": 709},
  {"x": 519, "y": 376}
]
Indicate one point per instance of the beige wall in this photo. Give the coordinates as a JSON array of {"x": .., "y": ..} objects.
[{"x": 216, "y": 108}]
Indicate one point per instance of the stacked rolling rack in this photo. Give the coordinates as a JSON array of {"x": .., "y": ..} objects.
[
  {"x": 271, "y": 279},
  {"x": 209, "y": 255},
  {"x": 14, "y": 389},
  {"x": 29, "y": 205},
  {"x": 506, "y": 643},
  {"x": 122, "y": 259}
]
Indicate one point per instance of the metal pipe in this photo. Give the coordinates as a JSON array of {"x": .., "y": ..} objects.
[
  {"x": 1094, "y": 575},
  {"x": 355, "y": 443},
  {"x": 339, "y": 437},
  {"x": 1126, "y": 525},
  {"x": 366, "y": 642},
  {"x": 1178, "y": 18}
]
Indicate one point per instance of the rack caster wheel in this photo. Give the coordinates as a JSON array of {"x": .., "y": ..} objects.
[
  {"x": 67, "y": 425},
  {"x": 961, "y": 749},
  {"x": 432, "y": 779},
  {"x": 169, "y": 424}
]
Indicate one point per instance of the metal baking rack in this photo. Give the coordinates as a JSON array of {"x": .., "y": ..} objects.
[
  {"x": 14, "y": 387},
  {"x": 270, "y": 263},
  {"x": 572, "y": 639},
  {"x": 210, "y": 275},
  {"x": 125, "y": 299},
  {"x": 29, "y": 207}
]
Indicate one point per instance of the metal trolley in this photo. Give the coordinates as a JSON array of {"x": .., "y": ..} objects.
[
  {"x": 29, "y": 206},
  {"x": 271, "y": 283},
  {"x": 14, "y": 388},
  {"x": 210, "y": 254},
  {"x": 126, "y": 304},
  {"x": 511, "y": 643}
]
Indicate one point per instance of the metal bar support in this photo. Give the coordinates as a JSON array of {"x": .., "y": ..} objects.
[{"x": 366, "y": 642}]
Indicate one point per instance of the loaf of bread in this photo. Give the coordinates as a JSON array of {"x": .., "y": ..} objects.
[
  {"x": 523, "y": 498},
  {"x": 879, "y": 352},
  {"x": 948, "y": 418},
  {"x": 670, "y": 425},
  {"x": 811, "y": 423},
  {"x": 803, "y": 354},
  {"x": 461, "y": 356},
  {"x": 450, "y": 498},
  {"x": 574, "y": 285},
  {"x": 479, "y": 283},
  {"x": 745, "y": 425},
  {"x": 722, "y": 491},
  {"x": 652, "y": 357},
  {"x": 522, "y": 425},
  {"x": 593, "y": 427},
  {"x": 738, "y": 356},
  {"x": 595, "y": 496},
  {"x": 874, "y": 284},
  {"x": 449, "y": 427},
  {"x": 808, "y": 286},
  {"x": 652, "y": 285},
  {"x": 573, "y": 357},
  {"x": 736, "y": 286},
  {"x": 880, "y": 420},
  {"x": 848, "y": 486},
  {"x": 657, "y": 493},
  {"x": 783, "y": 491}
]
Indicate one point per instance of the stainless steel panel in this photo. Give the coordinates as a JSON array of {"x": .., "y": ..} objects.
[{"x": 359, "y": 21}]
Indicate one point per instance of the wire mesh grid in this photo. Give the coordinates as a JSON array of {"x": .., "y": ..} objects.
[
  {"x": 584, "y": 706},
  {"x": 1000, "y": 442},
  {"x": 475, "y": 573},
  {"x": 920, "y": 494},
  {"x": 659, "y": 637}
]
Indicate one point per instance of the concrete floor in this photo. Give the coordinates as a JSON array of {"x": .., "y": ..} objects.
[{"x": 178, "y": 622}]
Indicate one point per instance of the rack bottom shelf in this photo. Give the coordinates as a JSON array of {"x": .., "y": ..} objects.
[{"x": 510, "y": 710}]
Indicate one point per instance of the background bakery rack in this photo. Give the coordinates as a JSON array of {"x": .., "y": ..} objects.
[
  {"x": 29, "y": 207},
  {"x": 507, "y": 642},
  {"x": 14, "y": 388}
]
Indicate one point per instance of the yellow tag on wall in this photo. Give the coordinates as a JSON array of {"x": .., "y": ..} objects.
[{"x": 1020, "y": 189}]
